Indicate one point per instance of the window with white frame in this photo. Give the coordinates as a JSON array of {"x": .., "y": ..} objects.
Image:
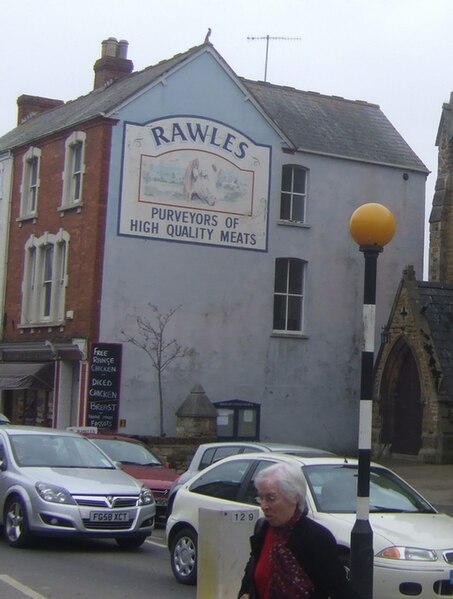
[
  {"x": 74, "y": 170},
  {"x": 289, "y": 294},
  {"x": 30, "y": 183},
  {"x": 293, "y": 193},
  {"x": 45, "y": 279}
]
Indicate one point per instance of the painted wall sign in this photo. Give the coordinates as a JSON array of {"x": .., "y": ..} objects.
[
  {"x": 194, "y": 180},
  {"x": 104, "y": 385}
]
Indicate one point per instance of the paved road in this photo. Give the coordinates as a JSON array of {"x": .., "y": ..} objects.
[{"x": 89, "y": 570}]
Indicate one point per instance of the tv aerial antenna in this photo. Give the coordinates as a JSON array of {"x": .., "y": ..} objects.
[{"x": 268, "y": 38}]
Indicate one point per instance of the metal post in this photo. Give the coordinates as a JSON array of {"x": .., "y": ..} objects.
[
  {"x": 268, "y": 38},
  {"x": 267, "y": 55},
  {"x": 362, "y": 533}
]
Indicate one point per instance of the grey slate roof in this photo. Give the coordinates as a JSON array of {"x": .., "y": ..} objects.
[
  {"x": 335, "y": 126},
  {"x": 436, "y": 304},
  {"x": 312, "y": 122}
]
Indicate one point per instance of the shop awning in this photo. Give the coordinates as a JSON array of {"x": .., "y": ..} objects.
[{"x": 26, "y": 375}]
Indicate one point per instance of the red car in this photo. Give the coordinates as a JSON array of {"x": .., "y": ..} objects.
[{"x": 137, "y": 460}]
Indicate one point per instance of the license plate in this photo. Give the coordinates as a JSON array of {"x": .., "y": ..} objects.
[{"x": 109, "y": 516}]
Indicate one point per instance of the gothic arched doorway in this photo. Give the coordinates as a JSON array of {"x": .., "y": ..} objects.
[{"x": 401, "y": 407}]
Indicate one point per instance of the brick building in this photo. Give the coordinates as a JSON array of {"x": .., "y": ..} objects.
[
  {"x": 59, "y": 184},
  {"x": 226, "y": 200}
]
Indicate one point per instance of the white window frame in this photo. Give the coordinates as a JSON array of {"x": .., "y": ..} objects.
[
  {"x": 73, "y": 173},
  {"x": 45, "y": 281},
  {"x": 291, "y": 198},
  {"x": 31, "y": 182},
  {"x": 289, "y": 294}
]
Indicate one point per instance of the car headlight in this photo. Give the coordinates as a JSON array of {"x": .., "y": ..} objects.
[
  {"x": 54, "y": 494},
  {"x": 146, "y": 497},
  {"x": 408, "y": 553}
]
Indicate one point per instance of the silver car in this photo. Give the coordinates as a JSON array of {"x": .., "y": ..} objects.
[{"x": 59, "y": 483}]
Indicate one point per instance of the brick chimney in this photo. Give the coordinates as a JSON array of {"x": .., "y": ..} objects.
[
  {"x": 30, "y": 106},
  {"x": 113, "y": 63}
]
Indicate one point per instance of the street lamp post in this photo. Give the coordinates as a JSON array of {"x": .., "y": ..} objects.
[{"x": 372, "y": 226}]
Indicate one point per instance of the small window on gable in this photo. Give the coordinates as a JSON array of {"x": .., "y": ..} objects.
[
  {"x": 74, "y": 170},
  {"x": 289, "y": 294},
  {"x": 45, "y": 279},
  {"x": 293, "y": 193},
  {"x": 30, "y": 183}
]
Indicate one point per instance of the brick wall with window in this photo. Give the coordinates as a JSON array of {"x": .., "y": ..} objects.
[{"x": 55, "y": 258}]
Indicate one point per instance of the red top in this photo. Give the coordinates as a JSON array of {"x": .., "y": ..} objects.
[{"x": 263, "y": 566}]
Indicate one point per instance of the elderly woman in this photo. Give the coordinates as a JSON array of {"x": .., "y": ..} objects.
[{"x": 292, "y": 556}]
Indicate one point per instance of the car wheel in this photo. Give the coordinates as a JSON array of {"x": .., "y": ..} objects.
[
  {"x": 16, "y": 528},
  {"x": 131, "y": 542},
  {"x": 184, "y": 556}
]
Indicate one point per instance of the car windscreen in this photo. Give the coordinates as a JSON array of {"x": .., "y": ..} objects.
[
  {"x": 334, "y": 490},
  {"x": 128, "y": 453},
  {"x": 57, "y": 451}
]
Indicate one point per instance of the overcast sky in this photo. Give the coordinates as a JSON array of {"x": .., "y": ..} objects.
[{"x": 395, "y": 53}]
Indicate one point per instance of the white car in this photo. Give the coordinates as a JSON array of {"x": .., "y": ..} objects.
[
  {"x": 412, "y": 542},
  {"x": 209, "y": 453},
  {"x": 58, "y": 483}
]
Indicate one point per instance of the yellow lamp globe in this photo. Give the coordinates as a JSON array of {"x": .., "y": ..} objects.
[{"x": 372, "y": 225}]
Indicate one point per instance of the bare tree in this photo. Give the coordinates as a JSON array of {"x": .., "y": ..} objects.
[{"x": 151, "y": 339}]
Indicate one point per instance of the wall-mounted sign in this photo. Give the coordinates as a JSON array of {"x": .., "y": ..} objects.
[
  {"x": 104, "y": 386},
  {"x": 194, "y": 180}
]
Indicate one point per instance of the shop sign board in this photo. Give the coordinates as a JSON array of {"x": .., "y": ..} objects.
[
  {"x": 194, "y": 180},
  {"x": 104, "y": 386}
]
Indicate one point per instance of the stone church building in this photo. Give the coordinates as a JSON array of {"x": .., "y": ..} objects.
[{"x": 413, "y": 414}]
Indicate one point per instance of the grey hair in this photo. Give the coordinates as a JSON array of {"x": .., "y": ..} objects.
[{"x": 289, "y": 480}]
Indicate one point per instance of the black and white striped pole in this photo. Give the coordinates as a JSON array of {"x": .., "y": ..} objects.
[{"x": 371, "y": 226}]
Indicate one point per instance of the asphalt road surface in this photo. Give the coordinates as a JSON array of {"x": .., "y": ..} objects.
[{"x": 56, "y": 569}]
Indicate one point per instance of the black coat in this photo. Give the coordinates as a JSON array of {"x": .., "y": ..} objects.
[{"x": 315, "y": 549}]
